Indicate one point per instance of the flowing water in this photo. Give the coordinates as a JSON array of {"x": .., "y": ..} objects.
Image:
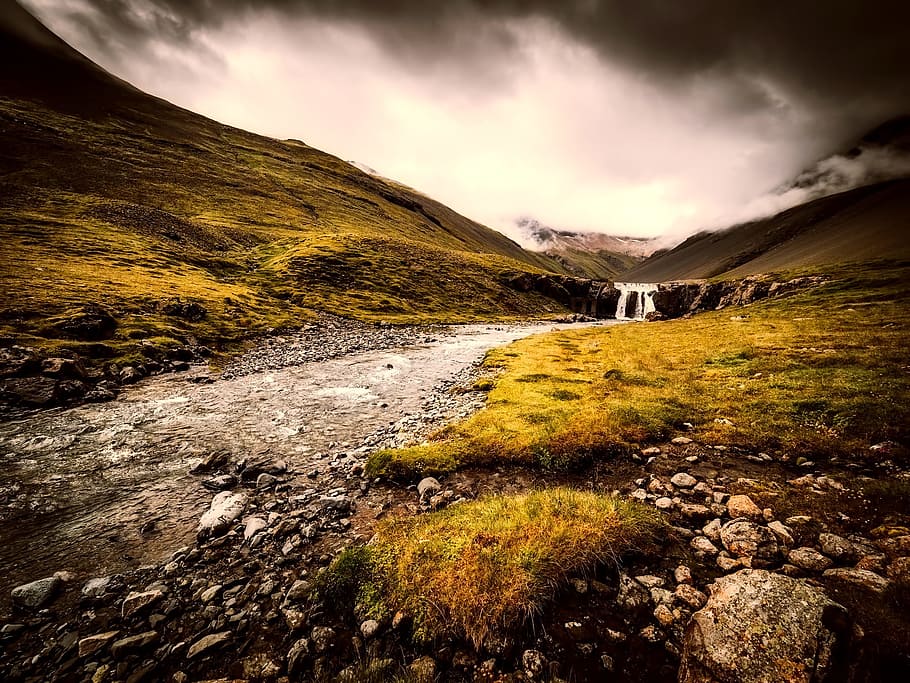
[{"x": 78, "y": 484}]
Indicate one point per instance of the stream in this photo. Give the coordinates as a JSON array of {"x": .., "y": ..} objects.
[{"x": 77, "y": 485}]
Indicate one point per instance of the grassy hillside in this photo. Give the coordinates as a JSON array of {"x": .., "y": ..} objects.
[
  {"x": 117, "y": 198},
  {"x": 600, "y": 264},
  {"x": 817, "y": 375},
  {"x": 865, "y": 223}
]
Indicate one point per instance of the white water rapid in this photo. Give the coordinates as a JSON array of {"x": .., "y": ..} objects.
[{"x": 636, "y": 300}]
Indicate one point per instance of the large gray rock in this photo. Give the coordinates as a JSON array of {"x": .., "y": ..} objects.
[
  {"x": 225, "y": 509},
  {"x": 760, "y": 627},
  {"x": 744, "y": 538},
  {"x": 36, "y": 593}
]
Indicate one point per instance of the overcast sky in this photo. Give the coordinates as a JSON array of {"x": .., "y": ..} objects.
[{"x": 645, "y": 117}]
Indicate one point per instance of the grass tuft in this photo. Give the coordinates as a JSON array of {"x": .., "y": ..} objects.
[{"x": 481, "y": 570}]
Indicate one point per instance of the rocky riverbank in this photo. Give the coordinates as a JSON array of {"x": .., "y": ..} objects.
[{"x": 758, "y": 545}]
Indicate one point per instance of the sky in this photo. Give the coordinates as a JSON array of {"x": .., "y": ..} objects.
[{"x": 646, "y": 118}]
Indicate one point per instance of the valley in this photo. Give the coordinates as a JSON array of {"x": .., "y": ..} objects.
[{"x": 268, "y": 416}]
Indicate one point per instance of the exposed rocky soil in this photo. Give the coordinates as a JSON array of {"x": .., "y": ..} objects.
[{"x": 770, "y": 564}]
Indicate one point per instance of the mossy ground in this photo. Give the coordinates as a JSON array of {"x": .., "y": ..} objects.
[
  {"x": 482, "y": 569},
  {"x": 818, "y": 374}
]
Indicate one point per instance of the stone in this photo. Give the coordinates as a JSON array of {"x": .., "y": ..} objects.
[
  {"x": 743, "y": 506},
  {"x": 129, "y": 375},
  {"x": 62, "y": 368},
  {"x": 296, "y": 655},
  {"x": 632, "y": 595},
  {"x": 369, "y": 628},
  {"x": 534, "y": 663},
  {"x": 682, "y": 440},
  {"x": 784, "y": 535},
  {"x": 225, "y": 508},
  {"x": 37, "y": 593},
  {"x": 691, "y": 596},
  {"x": 266, "y": 481},
  {"x": 836, "y": 547},
  {"x": 92, "y": 644},
  {"x": 664, "y": 616},
  {"x": 761, "y": 627},
  {"x": 97, "y": 587},
  {"x": 712, "y": 529},
  {"x": 651, "y": 450},
  {"x": 322, "y": 637},
  {"x": 252, "y": 526},
  {"x": 809, "y": 559},
  {"x": 860, "y": 579},
  {"x": 727, "y": 563},
  {"x": 221, "y": 482},
  {"x": 743, "y": 538},
  {"x": 703, "y": 545},
  {"x": 210, "y": 593},
  {"x": 427, "y": 487},
  {"x": 134, "y": 601},
  {"x": 682, "y": 574},
  {"x": 663, "y": 503},
  {"x": 131, "y": 644},
  {"x": 207, "y": 643},
  {"x": 683, "y": 480},
  {"x": 695, "y": 512}
]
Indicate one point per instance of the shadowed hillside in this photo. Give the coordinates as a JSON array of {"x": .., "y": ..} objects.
[
  {"x": 858, "y": 225},
  {"x": 118, "y": 198}
]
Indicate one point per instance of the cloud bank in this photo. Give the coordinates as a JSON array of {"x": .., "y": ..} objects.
[{"x": 646, "y": 118}]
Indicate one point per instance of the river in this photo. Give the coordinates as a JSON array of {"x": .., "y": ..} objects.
[{"x": 78, "y": 484}]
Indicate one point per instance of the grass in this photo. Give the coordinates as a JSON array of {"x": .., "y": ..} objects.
[
  {"x": 483, "y": 569},
  {"x": 818, "y": 374},
  {"x": 149, "y": 203}
]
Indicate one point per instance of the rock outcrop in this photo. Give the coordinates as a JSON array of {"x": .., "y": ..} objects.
[{"x": 759, "y": 626}]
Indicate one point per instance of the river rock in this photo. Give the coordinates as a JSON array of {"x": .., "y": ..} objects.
[
  {"x": 97, "y": 587},
  {"x": 135, "y": 601},
  {"x": 207, "y": 643},
  {"x": 683, "y": 480},
  {"x": 130, "y": 644},
  {"x": 36, "y": 593},
  {"x": 682, "y": 441},
  {"x": 427, "y": 487},
  {"x": 856, "y": 579},
  {"x": 224, "y": 510},
  {"x": 744, "y": 538},
  {"x": 836, "y": 547},
  {"x": 92, "y": 644},
  {"x": 252, "y": 526},
  {"x": 809, "y": 559},
  {"x": 296, "y": 654},
  {"x": 760, "y": 627},
  {"x": 743, "y": 506},
  {"x": 784, "y": 535},
  {"x": 704, "y": 545}
]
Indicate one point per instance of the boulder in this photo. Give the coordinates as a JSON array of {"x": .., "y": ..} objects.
[
  {"x": 91, "y": 324},
  {"x": 761, "y": 627},
  {"x": 226, "y": 507},
  {"x": 427, "y": 487},
  {"x": 809, "y": 559},
  {"x": 37, "y": 593},
  {"x": 744, "y": 538},
  {"x": 31, "y": 392},
  {"x": 207, "y": 643},
  {"x": 743, "y": 506}
]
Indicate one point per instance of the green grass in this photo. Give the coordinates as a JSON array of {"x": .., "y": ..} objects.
[
  {"x": 484, "y": 569},
  {"x": 821, "y": 373},
  {"x": 151, "y": 203}
]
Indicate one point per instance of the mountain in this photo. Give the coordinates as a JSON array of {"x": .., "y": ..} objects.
[
  {"x": 586, "y": 254},
  {"x": 851, "y": 206},
  {"x": 116, "y": 198}
]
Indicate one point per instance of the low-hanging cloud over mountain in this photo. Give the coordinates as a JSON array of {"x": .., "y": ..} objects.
[{"x": 630, "y": 118}]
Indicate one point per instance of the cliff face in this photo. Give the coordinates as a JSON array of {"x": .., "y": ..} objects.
[{"x": 599, "y": 299}]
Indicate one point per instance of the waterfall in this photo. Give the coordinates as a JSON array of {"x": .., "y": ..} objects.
[{"x": 636, "y": 300}]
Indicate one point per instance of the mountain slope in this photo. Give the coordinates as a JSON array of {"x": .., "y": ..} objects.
[
  {"x": 586, "y": 254},
  {"x": 858, "y": 225},
  {"x": 114, "y": 197}
]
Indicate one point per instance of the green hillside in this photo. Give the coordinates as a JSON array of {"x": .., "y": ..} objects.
[{"x": 116, "y": 198}]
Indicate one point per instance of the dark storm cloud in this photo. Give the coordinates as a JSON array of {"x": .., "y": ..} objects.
[{"x": 847, "y": 57}]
